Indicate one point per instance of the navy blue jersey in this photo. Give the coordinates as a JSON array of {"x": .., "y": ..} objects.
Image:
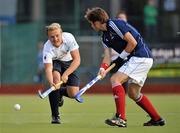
[{"x": 113, "y": 38}]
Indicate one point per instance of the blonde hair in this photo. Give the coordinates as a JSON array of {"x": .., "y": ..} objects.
[{"x": 53, "y": 26}]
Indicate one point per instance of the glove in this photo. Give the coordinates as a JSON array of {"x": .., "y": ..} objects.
[{"x": 119, "y": 62}]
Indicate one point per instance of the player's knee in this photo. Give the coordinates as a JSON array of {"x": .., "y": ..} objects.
[
  {"x": 133, "y": 95},
  {"x": 115, "y": 79},
  {"x": 134, "y": 91},
  {"x": 112, "y": 79},
  {"x": 72, "y": 91},
  {"x": 56, "y": 81}
]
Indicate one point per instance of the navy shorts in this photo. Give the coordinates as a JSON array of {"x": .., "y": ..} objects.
[{"x": 61, "y": 66}]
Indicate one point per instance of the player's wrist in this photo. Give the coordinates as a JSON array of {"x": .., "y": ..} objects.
[
  {"x": 124, "y": 54},
  {"x": 104, "y": 66}
]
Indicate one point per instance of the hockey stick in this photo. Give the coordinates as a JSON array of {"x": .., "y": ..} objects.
[
  {"x": 48, "y": 91},
  {"x": 87, "y": 86}
]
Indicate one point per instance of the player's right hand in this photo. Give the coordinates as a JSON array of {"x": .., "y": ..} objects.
[
  {"x": 102, "y": 69},
  {"x": 102, "y": 72},
  {"x": 53, "y": 84}
]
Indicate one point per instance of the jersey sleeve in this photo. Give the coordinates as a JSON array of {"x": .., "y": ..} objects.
[
  {"x": 104, "y": 41},
  {"x": 104, "y": 45},
  {"x": 72, "y": 43},
  {"x": 119, "y": 27},
  {"x": 47, "y": 55}
]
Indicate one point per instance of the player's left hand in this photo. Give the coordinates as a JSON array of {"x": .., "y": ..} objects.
[
  {"x": 102, "y": 72},
  {"x": 64, "y": 78}
]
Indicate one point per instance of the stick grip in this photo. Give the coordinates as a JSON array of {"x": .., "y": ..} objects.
[
  {"x": 58, "y": 85},
  {"x": 110, "y": 67}
]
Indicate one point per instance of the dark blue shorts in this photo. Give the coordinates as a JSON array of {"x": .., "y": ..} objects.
[{"x": 61, "y": 66}]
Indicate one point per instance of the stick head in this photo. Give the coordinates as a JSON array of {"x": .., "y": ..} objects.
[
  {"x": 79, "y": 99},
  {"x": 40, "y": 94}
]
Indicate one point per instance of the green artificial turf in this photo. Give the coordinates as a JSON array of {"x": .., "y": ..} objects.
[{"x": 87, "y": 117}]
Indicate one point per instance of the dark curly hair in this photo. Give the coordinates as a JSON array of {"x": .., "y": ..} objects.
[{"x": 96, "y": 14}]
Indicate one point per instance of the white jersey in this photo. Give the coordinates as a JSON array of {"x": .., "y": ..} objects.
[{"x": 61, "y": 53}]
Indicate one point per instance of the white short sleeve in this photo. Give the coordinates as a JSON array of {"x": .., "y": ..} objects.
[
  {"x": 47, "y": 54},
  {"x": 47, "y": 57},
  {"x": 72, "y": 42}
]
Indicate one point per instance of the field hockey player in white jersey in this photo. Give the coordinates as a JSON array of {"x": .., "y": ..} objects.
[{"x": 61, "y": 59}]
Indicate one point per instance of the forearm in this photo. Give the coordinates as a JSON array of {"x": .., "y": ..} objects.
[
  {"x": 75, "y": 62},
  {"x": 131, "y": 44},
  {"x": 106, "y": 60},
  {"x": 49, "y": 76},
  {"x": 130, "y": 47},
  {"x": 107, "y": 56},
  {"x": 74, "y": 65}
]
